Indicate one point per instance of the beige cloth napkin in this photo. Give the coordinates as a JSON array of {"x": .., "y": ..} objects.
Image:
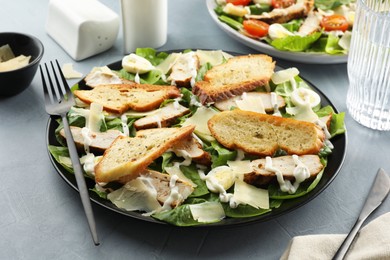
[{"x": 372, "y": 242}]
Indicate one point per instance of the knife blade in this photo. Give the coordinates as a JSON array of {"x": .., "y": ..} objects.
[{"x": 378, "y": 193}]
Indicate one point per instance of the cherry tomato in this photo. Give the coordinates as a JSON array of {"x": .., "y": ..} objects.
[
  {"x": 256, "y": 28},
  {"x": 238, "y": 2},
  {"x": 335, "y": 22},
  {"x": 282, "y": 3}
]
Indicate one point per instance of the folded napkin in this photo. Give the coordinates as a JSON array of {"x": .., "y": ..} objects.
[{"x": 372, "y": 242}]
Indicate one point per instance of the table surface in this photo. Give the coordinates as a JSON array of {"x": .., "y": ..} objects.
[{"x": 42, "y": 217}]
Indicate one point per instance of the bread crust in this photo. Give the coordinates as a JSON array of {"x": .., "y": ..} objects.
[
  {"x": 238, "y": 75},
  {"x": 122, "y": 97},
  {"x": 263, "y": 135},
  {"x": 128, "y": 156}
]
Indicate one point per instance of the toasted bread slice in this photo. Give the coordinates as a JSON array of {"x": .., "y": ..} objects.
[
  {"x": 238, "y": 75},
  {"x": 286, "y": 165},
  {"x": 164, "y": 117},
  {"x": 99, "y": 141},
  {"x": 128, "y": 156},
  {"x": 263, "y": 135},
  {"x": 120, "y": 98}
]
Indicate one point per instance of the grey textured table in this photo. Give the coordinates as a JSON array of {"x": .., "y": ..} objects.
[{"x": 42, "y": 218}]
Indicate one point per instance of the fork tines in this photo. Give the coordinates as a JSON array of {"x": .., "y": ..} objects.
[{"x": 62, "y": 91}]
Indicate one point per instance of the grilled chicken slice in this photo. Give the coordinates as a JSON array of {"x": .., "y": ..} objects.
[
  {"x": 161, "y": 183},
  {"x": 285, "y": 164},
  {"x": 151, "y": 192},
  {"x": 282, "y": 15},
  {"x": 163, "y": 117},
  {"x": 310, "y": 25},
  {"x": 191, "y": 148},
  {"x": 266, "y": 99},
  {"x": 184, "y": 70},
  {"x": 98, "y": 141}
]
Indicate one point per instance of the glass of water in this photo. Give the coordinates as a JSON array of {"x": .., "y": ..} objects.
[{"x": 368, "y": 98}]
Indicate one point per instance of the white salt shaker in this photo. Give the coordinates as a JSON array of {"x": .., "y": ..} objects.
[{"x": 144, "y": 23}]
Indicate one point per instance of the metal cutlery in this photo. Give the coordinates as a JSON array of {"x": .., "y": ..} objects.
[
  {"x": 58, "y": 101},
  {"x": 376, "y": 196}
]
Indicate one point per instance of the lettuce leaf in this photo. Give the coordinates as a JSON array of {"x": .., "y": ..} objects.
[
  {"x": 332, "y": 45},
  {"x": 337, "y": 125},
  {"x": 151, "y": 55},
  {"x": 219, "y": 154},
  {"x": 329, "y": 4},
  {"x": 151, "y": 77},
  {"x": 243, "y": 211},
  {"x": 295, "y": 43},
  {"x": 192, "y": 173},
  {"x": 180, "y": 216},
  {"x": 293, "y": 25},
  {"x": 231, "y": 22},
  {"x": 57, "y": 152}
]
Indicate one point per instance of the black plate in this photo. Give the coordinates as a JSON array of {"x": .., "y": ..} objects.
[{"x": 335, "y": 161}]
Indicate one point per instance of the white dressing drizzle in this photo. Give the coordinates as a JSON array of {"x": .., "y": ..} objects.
[
  {"x": 224, "y": 196},
  {"x": 326, "y": 131},
  {"x": 191, "y": 66},
  {"x": 176, "y": 104},
  {"x": 125, "y": 127},
  {"x": 85, "y": 132},
  {"x": 183, "y": 153},
  {"x": 175, "y": 170},
  {"x": 285, "y": 185},
  {"x": 194, "y": 101},
  {"x": 137, "y": 78},
  {"x": 197, "y": 139},
  {"x": 89, "y": 164},
  {"x": 157, "y": 119},
  {"x": 275, "y": 105},
  {"x": 301, "y": 173},
  {"x": 174, "y": 195}
]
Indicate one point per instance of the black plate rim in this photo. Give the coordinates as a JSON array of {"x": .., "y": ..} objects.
[{"x": 331, "y": 172}]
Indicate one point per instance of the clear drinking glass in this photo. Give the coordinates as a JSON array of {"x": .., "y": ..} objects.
[
  {"x": 144, "y": 23},
  {"x": 368, "y": 98}
]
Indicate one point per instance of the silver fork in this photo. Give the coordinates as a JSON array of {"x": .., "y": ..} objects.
[{"x": 58, "y": 101}]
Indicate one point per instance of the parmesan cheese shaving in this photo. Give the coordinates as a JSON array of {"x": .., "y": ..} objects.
[{"x": 69, "y": 72}]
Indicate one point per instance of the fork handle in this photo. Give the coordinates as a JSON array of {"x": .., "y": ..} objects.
[{"x": 80, "y": 180}]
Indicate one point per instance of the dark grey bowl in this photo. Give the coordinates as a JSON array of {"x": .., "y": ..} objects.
[{"x": 15, "y": 81}]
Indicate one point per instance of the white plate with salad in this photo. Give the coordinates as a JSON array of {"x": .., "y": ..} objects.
[
  {"x": 324, "y": 39},
  {"x": 183, "y": 214}
]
